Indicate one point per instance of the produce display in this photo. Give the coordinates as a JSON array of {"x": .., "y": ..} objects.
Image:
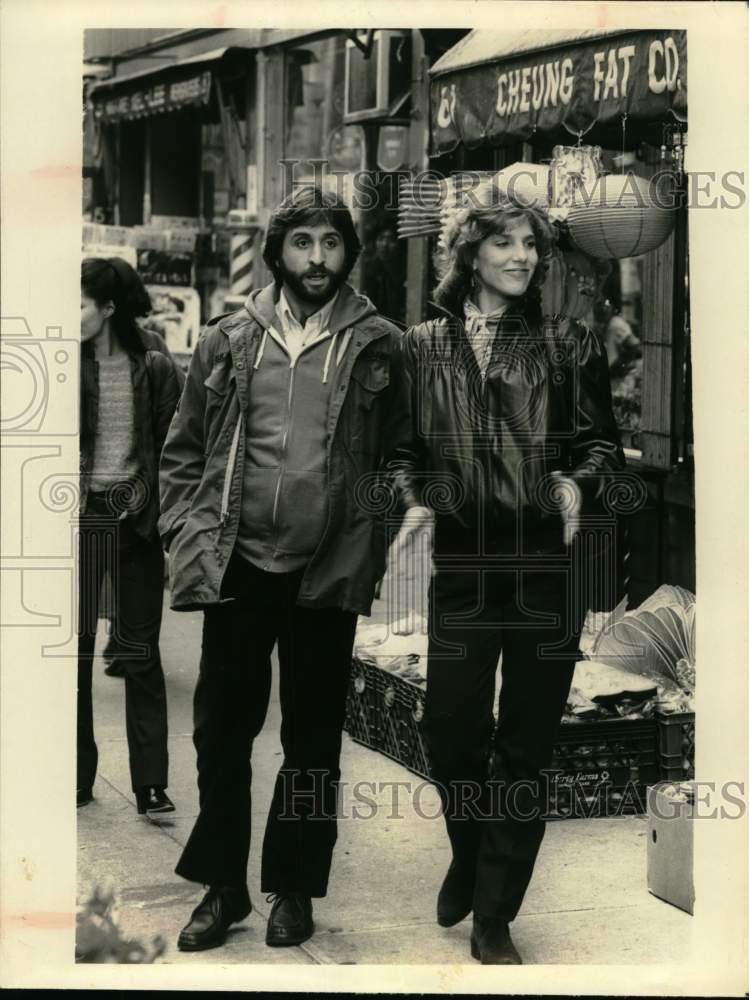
[{"x": 635, "y": 662}]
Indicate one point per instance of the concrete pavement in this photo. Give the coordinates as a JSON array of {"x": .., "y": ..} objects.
[{"x": 588, "y": 902}]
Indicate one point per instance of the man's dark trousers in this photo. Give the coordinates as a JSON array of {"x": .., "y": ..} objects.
[{"x": 231, "y": 701}]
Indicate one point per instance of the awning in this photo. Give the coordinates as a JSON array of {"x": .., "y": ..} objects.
[
  {"x": 168, "y": 88},
  {"x": 499, "y": 87}
]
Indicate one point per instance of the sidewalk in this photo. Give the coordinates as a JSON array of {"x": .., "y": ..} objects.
[{"x": 587, "y": 904}]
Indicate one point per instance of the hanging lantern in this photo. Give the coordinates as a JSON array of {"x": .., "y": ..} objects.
[{"x": 622, "y": 217}]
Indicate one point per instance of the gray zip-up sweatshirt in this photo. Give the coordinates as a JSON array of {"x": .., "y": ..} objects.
[{"x": 285, "y": 493}]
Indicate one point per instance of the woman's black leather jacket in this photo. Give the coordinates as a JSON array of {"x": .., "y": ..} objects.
[{"x": 481, "y": 450}]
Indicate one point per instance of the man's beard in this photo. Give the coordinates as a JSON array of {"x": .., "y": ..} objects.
[{"x": 306, "y": 293}]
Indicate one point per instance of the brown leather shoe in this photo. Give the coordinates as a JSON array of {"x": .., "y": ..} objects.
[
  {"x": 219, "y": 908},
  {"x": 455, "y": 900},
  {"x": 491, "y": 943},
  {"x": 290, "y": 920}
]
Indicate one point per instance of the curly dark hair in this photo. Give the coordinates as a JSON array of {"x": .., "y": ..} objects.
[
  {"x": 454, "y": 263},
  {"x": 310, "y": 205},
  {"x": 113, "y": 280}
]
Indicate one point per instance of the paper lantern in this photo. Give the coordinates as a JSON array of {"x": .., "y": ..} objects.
[{"x": 620, "y": 218}]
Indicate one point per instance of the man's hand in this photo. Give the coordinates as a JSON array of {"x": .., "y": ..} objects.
[{"x": 570, "y": 500}]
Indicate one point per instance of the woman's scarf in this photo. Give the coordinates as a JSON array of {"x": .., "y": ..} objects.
[{"x": 481, "y": 329}]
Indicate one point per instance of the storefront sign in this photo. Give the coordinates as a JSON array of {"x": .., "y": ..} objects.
[
  {"x": 640, "y": 74},
  {"x": 154, "y": 99},
  {"x": 392, "y": 146},
  {"x": 164, "y": 267}
]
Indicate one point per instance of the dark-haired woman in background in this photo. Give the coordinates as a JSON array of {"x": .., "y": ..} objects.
[
  {"x": 513, "y": 435},
  {"x": 128, "y": 395}
]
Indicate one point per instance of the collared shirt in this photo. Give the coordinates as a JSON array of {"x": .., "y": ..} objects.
[
  {"x": 481, "y": 329},
  {"x": 297, "y": 336}
]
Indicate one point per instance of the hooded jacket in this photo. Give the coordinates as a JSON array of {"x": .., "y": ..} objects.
[
  {"x": 202, "y": 473},
  {"x": 483, "y": 448}
]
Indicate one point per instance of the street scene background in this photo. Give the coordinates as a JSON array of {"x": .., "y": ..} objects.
[{"x": 191, "y": 137}]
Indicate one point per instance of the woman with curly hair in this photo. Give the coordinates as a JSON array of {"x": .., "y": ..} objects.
[
  {"x": 512, "y": 440},
  {"x": 129, "y": 391}
]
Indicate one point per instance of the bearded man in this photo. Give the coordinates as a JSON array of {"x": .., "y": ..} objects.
[{"x": 285, "y": 412}]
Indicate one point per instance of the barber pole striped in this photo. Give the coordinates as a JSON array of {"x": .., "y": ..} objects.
[{"x": 242, "y": 258}]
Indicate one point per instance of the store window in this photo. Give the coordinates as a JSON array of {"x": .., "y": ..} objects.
[
  {"x": 314, "y": 124},
  {"x": 609, "y": 301},
  {"x": 175, "y": 165},
  {"x": 620, "y": 321}
]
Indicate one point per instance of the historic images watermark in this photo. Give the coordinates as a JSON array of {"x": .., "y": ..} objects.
[
  {"x": 38, "y": 435},
  {"x": 367, "y": 190},
  {"x": 554, "y": 796}
]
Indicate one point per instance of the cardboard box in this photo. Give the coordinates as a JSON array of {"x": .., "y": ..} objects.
[{"x": 671, "y": 844}]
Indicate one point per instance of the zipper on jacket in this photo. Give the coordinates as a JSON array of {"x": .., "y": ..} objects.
[
  {"x": 287, "y": 424},
  {"x": 230, "y": 472}
]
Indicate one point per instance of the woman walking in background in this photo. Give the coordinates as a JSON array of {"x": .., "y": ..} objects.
[
  {"x": 128, "y": 395},
  {"x": 513, "y": 434}
]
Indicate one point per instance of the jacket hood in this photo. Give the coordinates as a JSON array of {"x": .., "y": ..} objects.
[{"x": 350, "y": 307}]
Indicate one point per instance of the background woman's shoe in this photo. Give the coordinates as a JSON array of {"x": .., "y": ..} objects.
[
  {"x": 153, "y": 802},
  {"x": 83, "y": 796},
  {"x": 114, "y": 669},
  {"x": 221, "y": 907},
  {"x": 455, "y": 899},
  {"x": 491, "y": 943},
  {"x": 290, "y": 920}
]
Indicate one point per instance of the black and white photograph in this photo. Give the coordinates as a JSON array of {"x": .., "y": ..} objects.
[{"x": 353, "y": 536}]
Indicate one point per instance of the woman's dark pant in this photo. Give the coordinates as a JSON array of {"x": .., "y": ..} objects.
[
  {"x": 489, "y": 778},
  {"x": 136, "y": 568},
  {"x": 231, "y": 701}
]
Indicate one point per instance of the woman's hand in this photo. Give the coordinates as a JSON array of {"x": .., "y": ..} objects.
[
  {"x": 570, "y": 499},
  {"x": 415, "y": 520}
]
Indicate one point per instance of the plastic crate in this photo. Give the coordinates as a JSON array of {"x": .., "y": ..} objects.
[
  {"x": 676, "y": 746},
  {"x": 604, "y": 767},
  {"x": 384, "y": 711}
]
